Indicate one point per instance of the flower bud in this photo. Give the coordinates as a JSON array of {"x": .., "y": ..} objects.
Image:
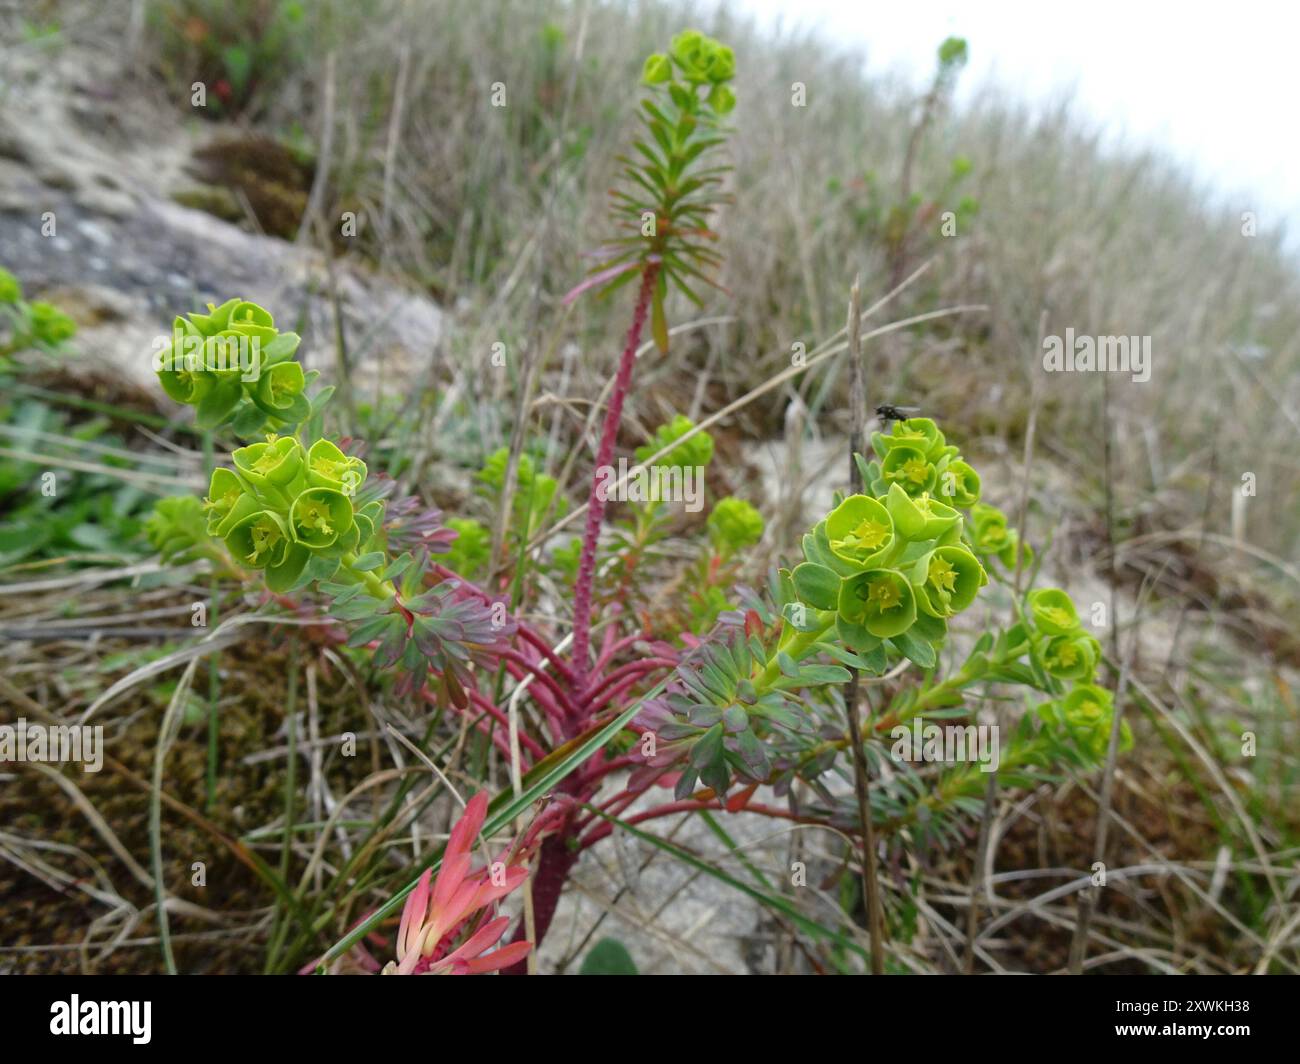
[
  {"x": 722, "y": 99},
  {"x": 328, "y": 467},
  {"x": 279, "y": 385},
  {"x": 908, "y": 467},
  {"x": 274, "y": 463},
  {"x": 658, "y": 69},
  {"x": 1053, "y": 611}
]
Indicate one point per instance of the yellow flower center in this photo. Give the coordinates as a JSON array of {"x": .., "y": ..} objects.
[
  {"x": 266, "y": 461},
  {"x": 1067, "y": 655},
  {"x": 916, "y": 470},
  {"x": 869, "y": 534},
  {"x": 316, "y": 516},
  {"x": 885, "y": 594},
  {"x": 265, "y": 536},
  {"x": 943, "y": 575},
  {"x": 328, "y": 467},
  {"x": 224, "y": 502},
  {"x": 1058, "y": 615}
]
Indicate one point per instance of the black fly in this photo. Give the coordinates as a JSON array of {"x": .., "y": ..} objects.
[{"x": 887, "y": 412}]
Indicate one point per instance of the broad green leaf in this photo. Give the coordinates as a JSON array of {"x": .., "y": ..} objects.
[
  {"x": 817, "y": 585},
  {"x": 915, "y": 649},
  {"x": 608, "y": 957}
]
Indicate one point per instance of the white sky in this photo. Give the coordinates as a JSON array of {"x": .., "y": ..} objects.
[{"x": 1216, "y": 84}]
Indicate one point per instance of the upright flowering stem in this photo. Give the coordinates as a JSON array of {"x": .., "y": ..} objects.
[
  {"x": 559, "y": 851},
  {"x": 605, "y": 457}
]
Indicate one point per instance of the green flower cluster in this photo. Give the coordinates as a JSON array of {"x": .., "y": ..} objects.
[
  {"x": 917, "y": 458},
  {"x": 177, "y": 528},
  {"x": 896, "y": 565},
  {"x": 296, "y": 513},
  {"x": 283, "y": 505},
  {"x": 34, "y": 324},
  {"x": 535, "y": 495},
  {"x": 692, "y": 61},
  {"x": 1084, "y": 717},
  {"x": 734, "y": 525},
  {"x": 10, "y": 290},
  {"x": 991, "y": 538},
  {"x": 1065, "y": 649},
  {"x": 471, "y": 547},
  {"x": 696, "y": 452},
  {"x": 235, "y": 367},
  {"x": 49, "y": 325}
]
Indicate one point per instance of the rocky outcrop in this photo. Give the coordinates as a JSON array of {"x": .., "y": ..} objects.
[{"x": 90, "y": 167}]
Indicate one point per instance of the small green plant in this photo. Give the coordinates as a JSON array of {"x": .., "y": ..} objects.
[
  {"x": 297, "y": 509},
  {"x": 239, "y": 49},
  {"x": 663, "y": 210},
  {"x": 905, "y": 221},
  {"x": 97, "y": 508},
  {"x": 27, "y": 324}
]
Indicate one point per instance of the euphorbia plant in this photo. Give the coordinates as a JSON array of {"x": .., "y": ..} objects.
[
  {"x": 25, "y": 324},
  {"x": 301, "y": 512},
  {"x": 663, "y": 210},
  {"x": 716, "y": 693}
]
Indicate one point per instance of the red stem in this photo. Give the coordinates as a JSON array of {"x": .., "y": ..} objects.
[
  {"x": 613, "y": 649},
  {"x": 633, "y": 669},
  {"x": 604, "y": 768},
  {"x": 604, "y": 457},
  {"x": 612, "y": 695},
  {"x": 486, "y": 726},
  {"x": 557, "y": 700}
]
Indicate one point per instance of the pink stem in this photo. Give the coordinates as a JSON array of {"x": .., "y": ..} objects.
[
  {"x": 604, "y": 457},
  {"x": 633, "y": 670},
  {"x": 604, "y": 768},
  {"x": 605, "y": 827},
  {"x": 556, "y": 696},
  {"x": 555, "y": 716},
  {"x": 612, "y": 649},
  {"x": 537, "y": 641},
  {"x": 495, "y": 714}
]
